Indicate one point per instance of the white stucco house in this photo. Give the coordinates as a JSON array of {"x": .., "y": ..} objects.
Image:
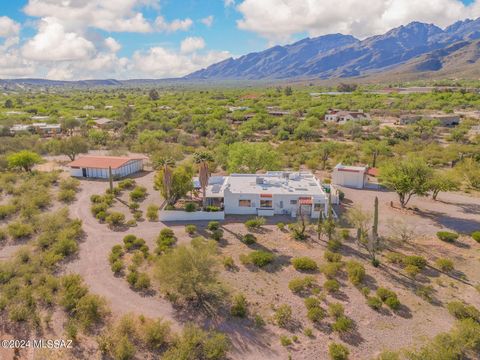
[
  {"x": 341, "y": 116},
  {"x": 98, "y": 166},
  {"x": 273, "y": 193}
]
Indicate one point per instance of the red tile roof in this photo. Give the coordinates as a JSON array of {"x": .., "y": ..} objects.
[
  {"x": 101, "y": 162},
  {"x": 373, "y": 172}
]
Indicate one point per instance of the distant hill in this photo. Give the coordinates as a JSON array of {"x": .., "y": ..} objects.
[{"x": 340, "y": 56}]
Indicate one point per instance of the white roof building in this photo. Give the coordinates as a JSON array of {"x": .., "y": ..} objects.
[{"x": 273, "y": 193}]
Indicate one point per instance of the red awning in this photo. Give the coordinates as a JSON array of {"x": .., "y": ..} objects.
[
  {"x": 266, "y": 195},
  {"x": 305, "y": 201},
  {"x": 373, "y": 172}
]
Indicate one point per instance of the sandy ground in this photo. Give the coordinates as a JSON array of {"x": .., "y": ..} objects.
[{"x": 374, "y": 331}]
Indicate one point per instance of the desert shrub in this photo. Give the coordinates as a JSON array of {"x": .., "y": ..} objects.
[
  {"x": 217, "y": 235},
  {"x": 384, "y": 293},
  {"x": 117, "y": 266},
  {"x": 258, "y": 321},
  {"x": 374, "y": 302},
  {"x": 331, "y": 269},
  {"x": 132, "y": 277},
  {"x": 344, "y": 234},
  {"x": 133, "y": 206},
  {"x": 311, "y": 302},
  {"x": 131, "y": 242},
  {"x": 412, "y": 270},
  {"x": 302, "y": 285},
  {"x": 342, "y": 324},
  {"x": 281, "y": 226},
  {"x": 7, "y": 211},
  {"x": 142, "y": 282},
  {"x": 166, "y": 239},
  {"x": 425, "y": 292},
  {"x": 213, "y": 225},
  {"x": 97, "y": 208},
  {"x": 3, "y": 235},
  {"x": 476, "y": 236},
  {"x": 190, "y": 207},
  {"x": 212, "y": 208},
  {"x": 66, "y": 195},
  {"x": 463, "y": 311},
  {"x": 69, "y": 184},
  {"x": 258, "y": 258},
  {"x": 315, "y": 314},
  {"x": 388, "y": 355},
  {"x": 336, "y": 310},
  {"x": 415, "y": 260},
  {"x": 239, "y": 306},
  {"x": 338, "y": 351},
  {"x": 332, "y": 257},
  {"x": 447, "y": 236},
  {"x": 283, "y": 315},
  {"x": 89, "y": 310},
  {"x": 393, "y": 303},
  {"x": 334, "y": 245},
  {"x": 137, "y": 215},
  {"x": 18, "y": 230},
  {"x": 124, "y": 349},
  {"x": 365, "y": 290},
  {"x": 138, "y": 193},
  {"x": 115, "y": 219},
  {"x": 116, "y": 253},
  {"x": 152, "y": 212},
  {"x": 444, "y": 264},
  {"x": 395, "y": 258},
  {"x": 285, "y": 340},
  {"x": 190, "y": 229},
  {"x": 356, "y": 272},
  {"x": 308, "y": 332},
  {"x": 255, "y": 223},
  {"x": 126, "y": 184},
  {"x": 196, "y": 343},
  {"x": 228, "y": 263},
  {"x": 157, "y": 334},
  {"x": 249, "y": 239},
  {"x": 304, "y": 264},
  {"x": 331, "y": 285}
]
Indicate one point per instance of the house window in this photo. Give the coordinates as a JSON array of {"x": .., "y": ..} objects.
[
  {"x": 281, "y": 204},
  {"x": 244, "y": 203},
  {"x": 317, "y": 207},
  {"x": 293, "y": 202},
  {"x": 266, "y": 203}
]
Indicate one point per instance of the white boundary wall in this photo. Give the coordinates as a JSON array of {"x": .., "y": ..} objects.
[{"x": 178, "y": 215}]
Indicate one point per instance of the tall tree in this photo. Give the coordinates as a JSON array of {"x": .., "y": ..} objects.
[
  {"x": 73, "y": 146},
  {"x": 24, "y": 159},
  {"x": 407, "y": 177},
  {"x": 442, "y": 181},
  {"x": 202, "y": 159},
  {"x": 252, "y": 157},
  {"x": 166, "y": 166},
  {"x": 153, "y": 95},
  {"x": 375, "y": 148},
  {"x": 181, "y": 183},
  {"x": 326, "y": 150}
]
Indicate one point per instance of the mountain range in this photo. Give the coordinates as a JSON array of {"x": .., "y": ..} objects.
[{"x": 413, "y": 48}]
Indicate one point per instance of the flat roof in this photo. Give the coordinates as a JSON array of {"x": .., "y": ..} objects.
[
  {"x": 342, "y": 167},
  {"x": 275, "y": 183},
  {"x": 102, "y": 162}
]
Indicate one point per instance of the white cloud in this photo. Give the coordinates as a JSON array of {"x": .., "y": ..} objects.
[
  {"x": 53, "y": 43},
  {"x": 59, "y": 74},
  {"x": 228, "y": 3},
  {"x": 207, "y": 21},
  {"x": 112, "y": 44},
  {"x": 280, "y": 19},
  {"x": 163, "y": 63},
  {"x": 8, "y": 27},
  {"x": 176, "y": 25},
  {"x": 12, "y": 64},
  {"x": 109, "y": 15},
  {"x": 191, "y": 44}
]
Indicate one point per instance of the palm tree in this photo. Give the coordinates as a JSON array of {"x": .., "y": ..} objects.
[
  {"x": 166, "y": 164},
  {"x": 202, "y": 159}
]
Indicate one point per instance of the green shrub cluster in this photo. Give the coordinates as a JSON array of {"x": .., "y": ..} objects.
[
  {"x": 258, "y": 258},
  {"x": 239, "y": 306},
  {"x": 255, "y": 223},
  {"x": 139, "y": 193},
  {"x": 152, "y": 212},
  {"x": 304, "y": 264},
  {"x": 356, "y": 272},
  {"x": 302, "y": 285},
  {"x": 389, "y": 297},
  {"x": 249, "y": 239},
  {"x": 166, "y": 239},
  {"x": 447, "y": 236}
]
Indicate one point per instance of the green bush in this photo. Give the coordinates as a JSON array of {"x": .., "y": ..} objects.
[
  {"x": 342, "y": 324},
  {"x": 258, "y": 258},
  {"x": 138, "y": 193},
  {"x": 395, "y": 258},
  {"x": 228, "y": 263},
  {"x": 115, "y": 219},
  {"x": 412, "y": 270},
  {"x": 166, "y": 239},
  {"x": 255, "y": 223},
  {"x": 157, "y": 334},
  {"x": 217, "y": 235},
  {"x": 311, "y": 302},
  {"x": 126, "y": 184},
  {"x": 444, "y": 264},
  {"x": 338, "y": 351},
  {"x": 190, "y": 207},
  {"x": 476, "y": 236},
  {"x": 66, "y": 195},
  {"x": 239, "y": 306},
  {"x": 212, "y": 208},
  {"x": 283, "y": 315},
  {"x": 18, "y": 230},
  {"x": 315, "y": 314},
  {"x": 190, "y": 229},
  {"x": 302, "y": 285},
  {"x": 124, "y": 349},
  {"x": 152, "y": 212},
  {"x": 463, "y": 311},
  {"x": 117, "y": 266},
  {"x": 415, "y": 260},
  {"x": 281, "y": 226},
  {"x": 334, "y": 245},
  {"x": 249, "y": 239},
  {"x": 393, "y": 303},
  {"x": 331, "y": 269},
  {"x": 304, "y": 264},
  {"x": 285, "y": 340},
  {"x": 142, "y": 282},
  {"x": 447, "y": 236},
  {"x": 356, "y": 272},
  {"x": 332, "y": 257},
  {"x": 131, "y": 242},
  {"x": 374, "y": 302},
  {"x": 384, "y": 293},
  {"x": 331, "y": 285},
  {"x": 336, "y": 310},
  {"x": 213, "y": 225},
  {"x": 7, "y": 211}
]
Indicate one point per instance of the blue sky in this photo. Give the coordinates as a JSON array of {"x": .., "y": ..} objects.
[{"x": 72, "y": 39}]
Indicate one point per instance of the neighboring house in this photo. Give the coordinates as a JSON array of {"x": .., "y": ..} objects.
[
  {"x": 352, "y": 176},
  {"x": 89, "y": 107},
  {"x": 273, "y": 193},
  {"x": 445, "y": 120},
  {"x": 102, "y": 122},
  {"x": 341, "y": 116},
  {"x": 98, "y": 166},
  {"x": 40, "y": 118},
  {"x": 274, "y": 111},
  {"x": 20, "y": 128},
  {"x": 237, "y": 108},
  {"x": 409, "y": 119},
  {"x": 46, "y": 130}
]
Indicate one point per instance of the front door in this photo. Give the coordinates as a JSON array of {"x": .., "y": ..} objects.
[{"x": 84, "y": 172}]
